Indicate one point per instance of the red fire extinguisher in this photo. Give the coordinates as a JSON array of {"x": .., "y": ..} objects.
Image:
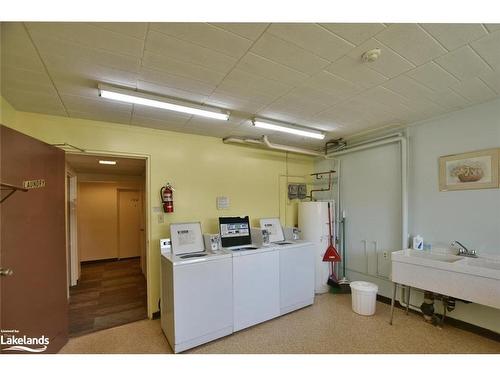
[{"x": 167, "y": 197}]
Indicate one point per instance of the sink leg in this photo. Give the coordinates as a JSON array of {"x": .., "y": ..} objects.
[
  {"x": 408, "y": 302},
  {"x": 394, "y": 289},
  {"x": 444, "y": 312}
]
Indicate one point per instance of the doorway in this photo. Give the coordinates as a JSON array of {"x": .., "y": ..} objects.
[{"x": 110, "y": 241}]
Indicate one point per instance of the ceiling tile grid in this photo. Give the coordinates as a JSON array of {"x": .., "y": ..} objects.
[{"x": 304, "y": 73}]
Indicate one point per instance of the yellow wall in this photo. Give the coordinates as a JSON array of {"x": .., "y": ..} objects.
[
  {"x": 200, "y": 168},
  {"x": 7, "y": 113},
  {"x": 98, "y": 218}
]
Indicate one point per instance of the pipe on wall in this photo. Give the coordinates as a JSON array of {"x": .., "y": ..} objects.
[
  {"x": 272, "y": 146},
  {"x": 399, "y": 138}
]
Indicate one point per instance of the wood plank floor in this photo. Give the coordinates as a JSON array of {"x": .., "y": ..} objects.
[{"x": 108, "y": 294}]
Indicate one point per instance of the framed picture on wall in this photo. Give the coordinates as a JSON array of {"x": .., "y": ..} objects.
[{"x": 471, "y": 170}]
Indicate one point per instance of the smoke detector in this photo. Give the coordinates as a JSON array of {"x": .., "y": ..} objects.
[{"x": 371, "y": 55}]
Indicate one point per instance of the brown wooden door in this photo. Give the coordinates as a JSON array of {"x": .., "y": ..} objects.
[{"x": 33, "y": 300}]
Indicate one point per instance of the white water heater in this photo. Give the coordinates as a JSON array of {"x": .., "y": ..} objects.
[{"x": 313, "y": 225}]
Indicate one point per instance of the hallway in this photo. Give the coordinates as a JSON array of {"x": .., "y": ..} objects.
[{"x": 108, "y": 294}]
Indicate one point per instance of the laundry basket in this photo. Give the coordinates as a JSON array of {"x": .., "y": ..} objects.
[{"x": 364, "y": 297}]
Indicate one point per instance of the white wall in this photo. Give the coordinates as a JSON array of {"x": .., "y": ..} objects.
[{"x": 470, "y": 216}]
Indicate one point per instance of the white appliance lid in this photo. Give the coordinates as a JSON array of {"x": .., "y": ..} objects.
[
  {"x": 186, "y": 238},
  {"x": 274, "y": 228}
]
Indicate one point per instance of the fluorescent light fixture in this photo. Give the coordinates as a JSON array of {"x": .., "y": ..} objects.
[
  {"x": 271, "y": 125},
  {"x": 107, "y": 162},
  {"x": 134, "y": 97}
]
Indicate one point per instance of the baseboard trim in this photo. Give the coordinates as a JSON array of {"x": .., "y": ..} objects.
[
  {"x": 483, "y": 332},
  {"x": 107, "y": 260}
]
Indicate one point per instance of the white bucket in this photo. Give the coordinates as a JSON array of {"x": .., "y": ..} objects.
[{"x": 364, "y": 297}]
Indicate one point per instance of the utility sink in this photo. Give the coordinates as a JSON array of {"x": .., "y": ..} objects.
[
  {"x": 471, "y": 279},
  {"x": 449, "y": 258},
  {"x": 485, "y": 263}
]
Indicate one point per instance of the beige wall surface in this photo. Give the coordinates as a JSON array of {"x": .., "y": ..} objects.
[
  {"x": 200, "y": 168},
  {"x": 98, "y": 219}
]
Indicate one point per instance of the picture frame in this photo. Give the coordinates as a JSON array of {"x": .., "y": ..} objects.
[{"x": 469, "y": 170}]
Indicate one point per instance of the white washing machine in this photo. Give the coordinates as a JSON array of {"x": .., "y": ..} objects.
[{"x": 196, "y": 290}]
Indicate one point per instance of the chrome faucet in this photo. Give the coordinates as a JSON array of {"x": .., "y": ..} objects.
[{"x": 463, "y": 251}]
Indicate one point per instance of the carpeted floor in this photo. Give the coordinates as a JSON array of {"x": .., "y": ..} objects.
[{"x": 329, "y": 326}]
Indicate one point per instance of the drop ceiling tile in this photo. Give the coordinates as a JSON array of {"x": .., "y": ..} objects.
[
  {"x": 411, "y": 42},
  {"x": 88, "y": 105},
  {"x": 454, "y": 35},
  {"x": 61, "y": 65},
  {"x": 157, "y": 89},
  {"x": 492, "y": 79},
  {"x": 463, "y": 63},
  {"x": 176, "y": 82},
  {"x": 354, "y": 70},
  {"x": 10, "y": 58},
  {"x": 263, "y": 67},
  {"x": 88, "y": 35},
  {"x": 247, "y": 30},
  {"x": 181, "y": 68},
  {"x": 330, "y": 83},
  {"x": 49, "y": 46},
  {"x": 134, "y": 29},
  {"x": 152, "y": 123},
  {"x": 492, "y": 27},
  {"x": 312, "y": 38},
  {"x": 172, "y": 118},
  {"x": 389, "y": 101},
  {"x": 474, "y": 90},
  {"x": 294, "y": 105},
  {"x": 311, "y": 94},
  {"x": 16, "y": 75},
  {"x": 389, "y": 64},
  {"x": 489, "y": 48},
  {"x": 75, "y": 84},
  {"x": 244, "y": 81},
  {"x": 162, "y": 44},
  {"x": 46, "y": 102},
  {"x": 356, "y": 33},
  {"x": 433, "y": 76},
  {"x": 205, "y": 35},
  {"x": 249, "y": 102},
  {"x": 286, "y": 53},
  {"x": 423, "y": 99},
  {"x": 102, "y": 114},
  {"x": 450, "y": 99},
  {"x": 17, "y": 49}
]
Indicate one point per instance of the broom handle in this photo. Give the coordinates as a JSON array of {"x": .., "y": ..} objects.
[
  {"x": 343, "y": 247},
  {"x": 329, "y": 226}
]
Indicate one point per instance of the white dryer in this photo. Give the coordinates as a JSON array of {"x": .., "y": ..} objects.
[{"x": 196, "y": 293}]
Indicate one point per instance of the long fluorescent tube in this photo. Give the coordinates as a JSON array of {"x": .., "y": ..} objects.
[
  {"x": 266, "y": 124},
  {"x": 107, "y": 162},
  {"x": 129, "y": 96}
]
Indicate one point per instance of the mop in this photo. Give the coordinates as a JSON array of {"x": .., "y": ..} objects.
[{"x": 331, "y": 254}]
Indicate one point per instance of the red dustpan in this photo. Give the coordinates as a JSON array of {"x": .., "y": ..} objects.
[{"x": 331, "y": 254}]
